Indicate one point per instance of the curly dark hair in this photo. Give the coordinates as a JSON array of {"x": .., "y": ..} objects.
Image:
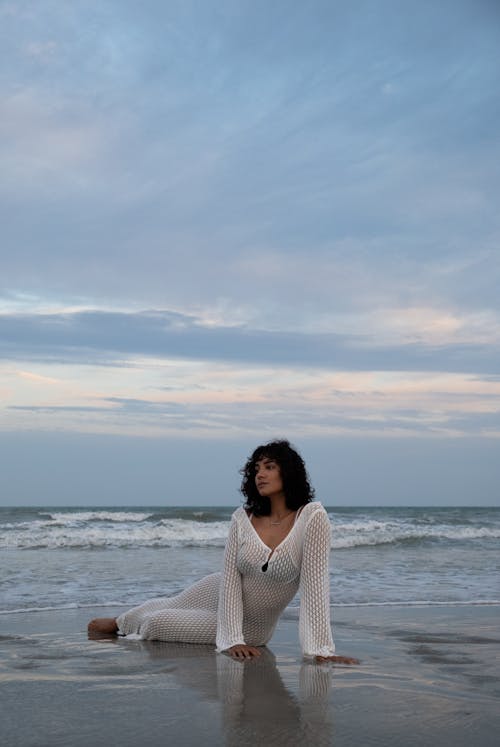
[{"x": 293, "y": 471}]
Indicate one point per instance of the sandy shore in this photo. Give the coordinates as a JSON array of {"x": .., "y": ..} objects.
[{"x": 428, "y": 676}]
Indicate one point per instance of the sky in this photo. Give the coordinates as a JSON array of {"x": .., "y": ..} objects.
[{"x": 228, "y": 222}]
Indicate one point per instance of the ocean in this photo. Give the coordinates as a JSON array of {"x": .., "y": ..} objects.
[{"x": 65, "y": 558}]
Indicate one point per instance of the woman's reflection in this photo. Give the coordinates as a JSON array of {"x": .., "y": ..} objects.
[{"x": 256, "y": 706}]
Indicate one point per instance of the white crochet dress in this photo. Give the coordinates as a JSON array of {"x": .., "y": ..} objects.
[{"x": 243, "y": 603}]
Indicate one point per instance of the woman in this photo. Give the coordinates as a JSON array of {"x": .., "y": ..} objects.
[{"x": 278, "y": 542}]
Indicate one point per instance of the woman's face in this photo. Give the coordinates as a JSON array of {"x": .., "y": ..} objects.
[{"x": 268, "y": 478}]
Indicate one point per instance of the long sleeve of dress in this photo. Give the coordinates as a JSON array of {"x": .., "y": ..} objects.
[
  {"x": 315, "y": 630},
  {"x": 230, "y": 609}
]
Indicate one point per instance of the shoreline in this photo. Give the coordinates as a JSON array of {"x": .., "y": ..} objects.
[
  {"x": 290, "y": 613},
  {"x": 428, "y": 675}
]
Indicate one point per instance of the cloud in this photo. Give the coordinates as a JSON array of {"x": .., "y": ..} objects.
[
  {"x": 171, "y": 158},
  {"x": 222, "y": 399},
  {"x": 220, "y": 220},
  {"x": 51, "y": 409},
  {"x": 87, "y": 336},
  {"x": 38, "y": 378},
  {"x": 317, "y": 418}
]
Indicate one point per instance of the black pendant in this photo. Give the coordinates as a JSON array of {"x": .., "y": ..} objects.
[{"x": 265, "y": 566}]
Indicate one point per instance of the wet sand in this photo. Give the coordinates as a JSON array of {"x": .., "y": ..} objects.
[{"x": 428, "y": 676}]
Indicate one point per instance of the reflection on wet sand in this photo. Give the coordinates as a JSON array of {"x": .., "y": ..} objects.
[{"x": 255, "y": 705}]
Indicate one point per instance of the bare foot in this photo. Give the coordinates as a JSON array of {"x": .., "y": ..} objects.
[{"x": 103, "y": 625}]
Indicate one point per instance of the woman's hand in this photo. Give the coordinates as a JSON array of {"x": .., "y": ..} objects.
[
  {"x": 241, "y": 651},
  {"x": 337, "y": 659}
]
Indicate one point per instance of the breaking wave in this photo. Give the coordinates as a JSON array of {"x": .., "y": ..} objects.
[{"x": 201, "y": 528}]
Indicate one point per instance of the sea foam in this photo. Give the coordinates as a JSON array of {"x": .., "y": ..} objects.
[{"x": 95, "y": 528}]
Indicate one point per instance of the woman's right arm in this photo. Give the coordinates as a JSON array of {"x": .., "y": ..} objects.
[{"x": 230, "y": 609}]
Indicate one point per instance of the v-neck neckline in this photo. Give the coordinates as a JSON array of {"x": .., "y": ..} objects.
[{"x": 273, "y": 550}]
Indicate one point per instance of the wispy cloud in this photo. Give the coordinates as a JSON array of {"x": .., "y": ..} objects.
[
  {"x": 221, "y": 220},
  {"x": 87, "y": 336},
  {"x": 220, "y": 399}
]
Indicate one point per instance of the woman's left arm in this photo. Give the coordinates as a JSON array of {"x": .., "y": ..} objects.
[{"x": 315, "y": 629}]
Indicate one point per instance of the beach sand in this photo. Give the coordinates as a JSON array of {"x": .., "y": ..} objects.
[{"x": 428, "y": 676}]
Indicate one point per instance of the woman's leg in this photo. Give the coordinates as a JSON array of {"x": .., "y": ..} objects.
[
  {"x": 203, "y": 595},
  {"x": 180, "y": 626},
  {"x": 129, "y": 621}
]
